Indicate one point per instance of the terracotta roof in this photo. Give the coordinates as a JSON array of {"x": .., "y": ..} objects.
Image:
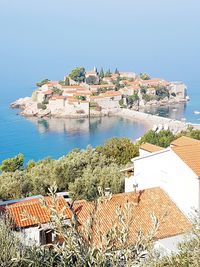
[
  {"x": 112, "y": 93},
  {"x": 190, "y": 154},
  {"x": 151, "y": 148},
  {"x": 102, "y": 86},
  {"x": 47, "y": 92},
  {"x": 32, "y": 212},
  {"x": 55, "y": 97},
  {"x": 152, "y": 201},
  {"x": 73, "y": 87},
  {"x": 185, "y": 141}
]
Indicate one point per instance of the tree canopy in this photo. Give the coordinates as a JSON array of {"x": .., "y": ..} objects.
[
  {"x": 78, "y": 74},
  {"x": 39, "y": 84},
  {"x": 12, "y": 164}
]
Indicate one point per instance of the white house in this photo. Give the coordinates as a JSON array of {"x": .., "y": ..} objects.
[
  {"x": 175, "y": 169},
  {"x": 34, "y": 223},
  {"x": 32, "y": 220}
]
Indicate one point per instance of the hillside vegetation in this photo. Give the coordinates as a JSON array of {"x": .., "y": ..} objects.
[{"x": 81, "y": 171}]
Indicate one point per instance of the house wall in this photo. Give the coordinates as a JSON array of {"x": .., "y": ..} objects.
[
  {"x": 56, "y": 104},
  {"x": 143, "y": 152},
  {"x": 29, "y": 236},
  {"x": 108, "y": 102},
  {"x": 179, "y": 89},
  {"x": 40, "y": 97},
  {"x": 169, "y": 244},
  {"x": 168, "y": 171}
]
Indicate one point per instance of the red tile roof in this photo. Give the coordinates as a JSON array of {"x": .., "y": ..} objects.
[
  {"x": 47, "y": 92},
  {"x": 151, "y": 148},
  {"x": 185, "y": 141},
  {"x": 190, "y": 154},
  {"x": 32, "y": 212},
  {"x": 152, "y": 201}
]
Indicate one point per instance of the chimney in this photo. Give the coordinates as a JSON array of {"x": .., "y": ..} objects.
[
  {"x": 137, "y": 197},
  {"x": 107, "y": 192}
]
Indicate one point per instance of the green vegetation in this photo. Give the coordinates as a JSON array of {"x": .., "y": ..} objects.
[
  {"x": 122, "y": 150},
  {"x": 12, "y": 164},
  {"x": 108, "y": 73},
  {"x": 162, "y": 92},
  {"x": 78, "y": 74},
  {"x": 81, "y": 97},
  {"x": 66, "y": 82},
  {"x": 57, "y": 91},
  {"x": 173, "y": 94},
  {"x": 148, "y": 98},
  {"x": 130, "y": 100},
  {"x": 116, "y": 71},
  {"x": 92, "y": 167},
  {"x": 145, "y": 76},
  {"x": 92, "y": 80},
  {"x": 163, "y": 138},
  {"x": 41, "y": 106},
  {"x": 39, "y": 84},
  {"x": 113, "y": 249}
]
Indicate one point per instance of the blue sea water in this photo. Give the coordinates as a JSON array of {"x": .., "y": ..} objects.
[{"x": 39, "y": 138}]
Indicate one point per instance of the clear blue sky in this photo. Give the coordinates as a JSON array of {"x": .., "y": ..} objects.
[{"x": 46, "y": 38}]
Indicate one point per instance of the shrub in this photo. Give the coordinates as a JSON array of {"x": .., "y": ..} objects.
[
  {"x": 80, "y": 111},
  {"x": 41, "y": 106}
]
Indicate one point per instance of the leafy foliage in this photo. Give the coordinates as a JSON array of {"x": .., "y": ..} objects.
[
  {"x": 39, "y": 84},
  {"x": 145, "y": 76},
  {"x": 112, "y": 249},
  {"x": 122, "y": 150},
  {"x": 12, "y": 164},
  {"x": 162, "y": 138},
  {"x": 92, "y": 80},
  {"x": 161, "y": 92},
  {"x": 78, "y": 74}
]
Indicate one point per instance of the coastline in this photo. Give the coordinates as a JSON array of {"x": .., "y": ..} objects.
[{"x": 150, "y": 121}]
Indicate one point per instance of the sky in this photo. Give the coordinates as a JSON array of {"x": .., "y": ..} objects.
[{"x": 47, "y": 38}]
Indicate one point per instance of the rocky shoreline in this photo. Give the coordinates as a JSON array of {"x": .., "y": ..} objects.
[{"x": 29, "y": 109}]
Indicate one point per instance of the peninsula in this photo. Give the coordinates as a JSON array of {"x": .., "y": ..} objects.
[{"x": 97, "y": 93}]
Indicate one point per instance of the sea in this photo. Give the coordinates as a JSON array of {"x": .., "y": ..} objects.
[{"x": 39, "y": 138}]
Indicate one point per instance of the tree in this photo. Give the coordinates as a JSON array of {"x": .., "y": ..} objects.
[
  {"x": 67, "y": 82},
  {"x": 122, "y": 150},
  {"x": 163, "y": 138},
  {"x": 162, "y": 92},
  {"x": 92, "y": 80},
  {"x": 86, "y": 187},
  {"x": 13, "y": 164},
  {"x": 130, "y": 100},
  {"x": 116, "y": 71},
  {"x": 101, "y": 74},
  {"x": 145, "y": 76},
  {"x": 78, "y": 74},
  {"x": 108, "y": 73},
  {"x": 39, "y": 84},
  {"x": 81, "y": 97}
]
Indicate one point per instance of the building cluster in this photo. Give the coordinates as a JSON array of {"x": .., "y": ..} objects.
[
  {"x": 103, "y": 93},
  {"x": 163, "y": 183}
]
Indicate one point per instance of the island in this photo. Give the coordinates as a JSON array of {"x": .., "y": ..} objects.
[{"x": 97, "y": 93}]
